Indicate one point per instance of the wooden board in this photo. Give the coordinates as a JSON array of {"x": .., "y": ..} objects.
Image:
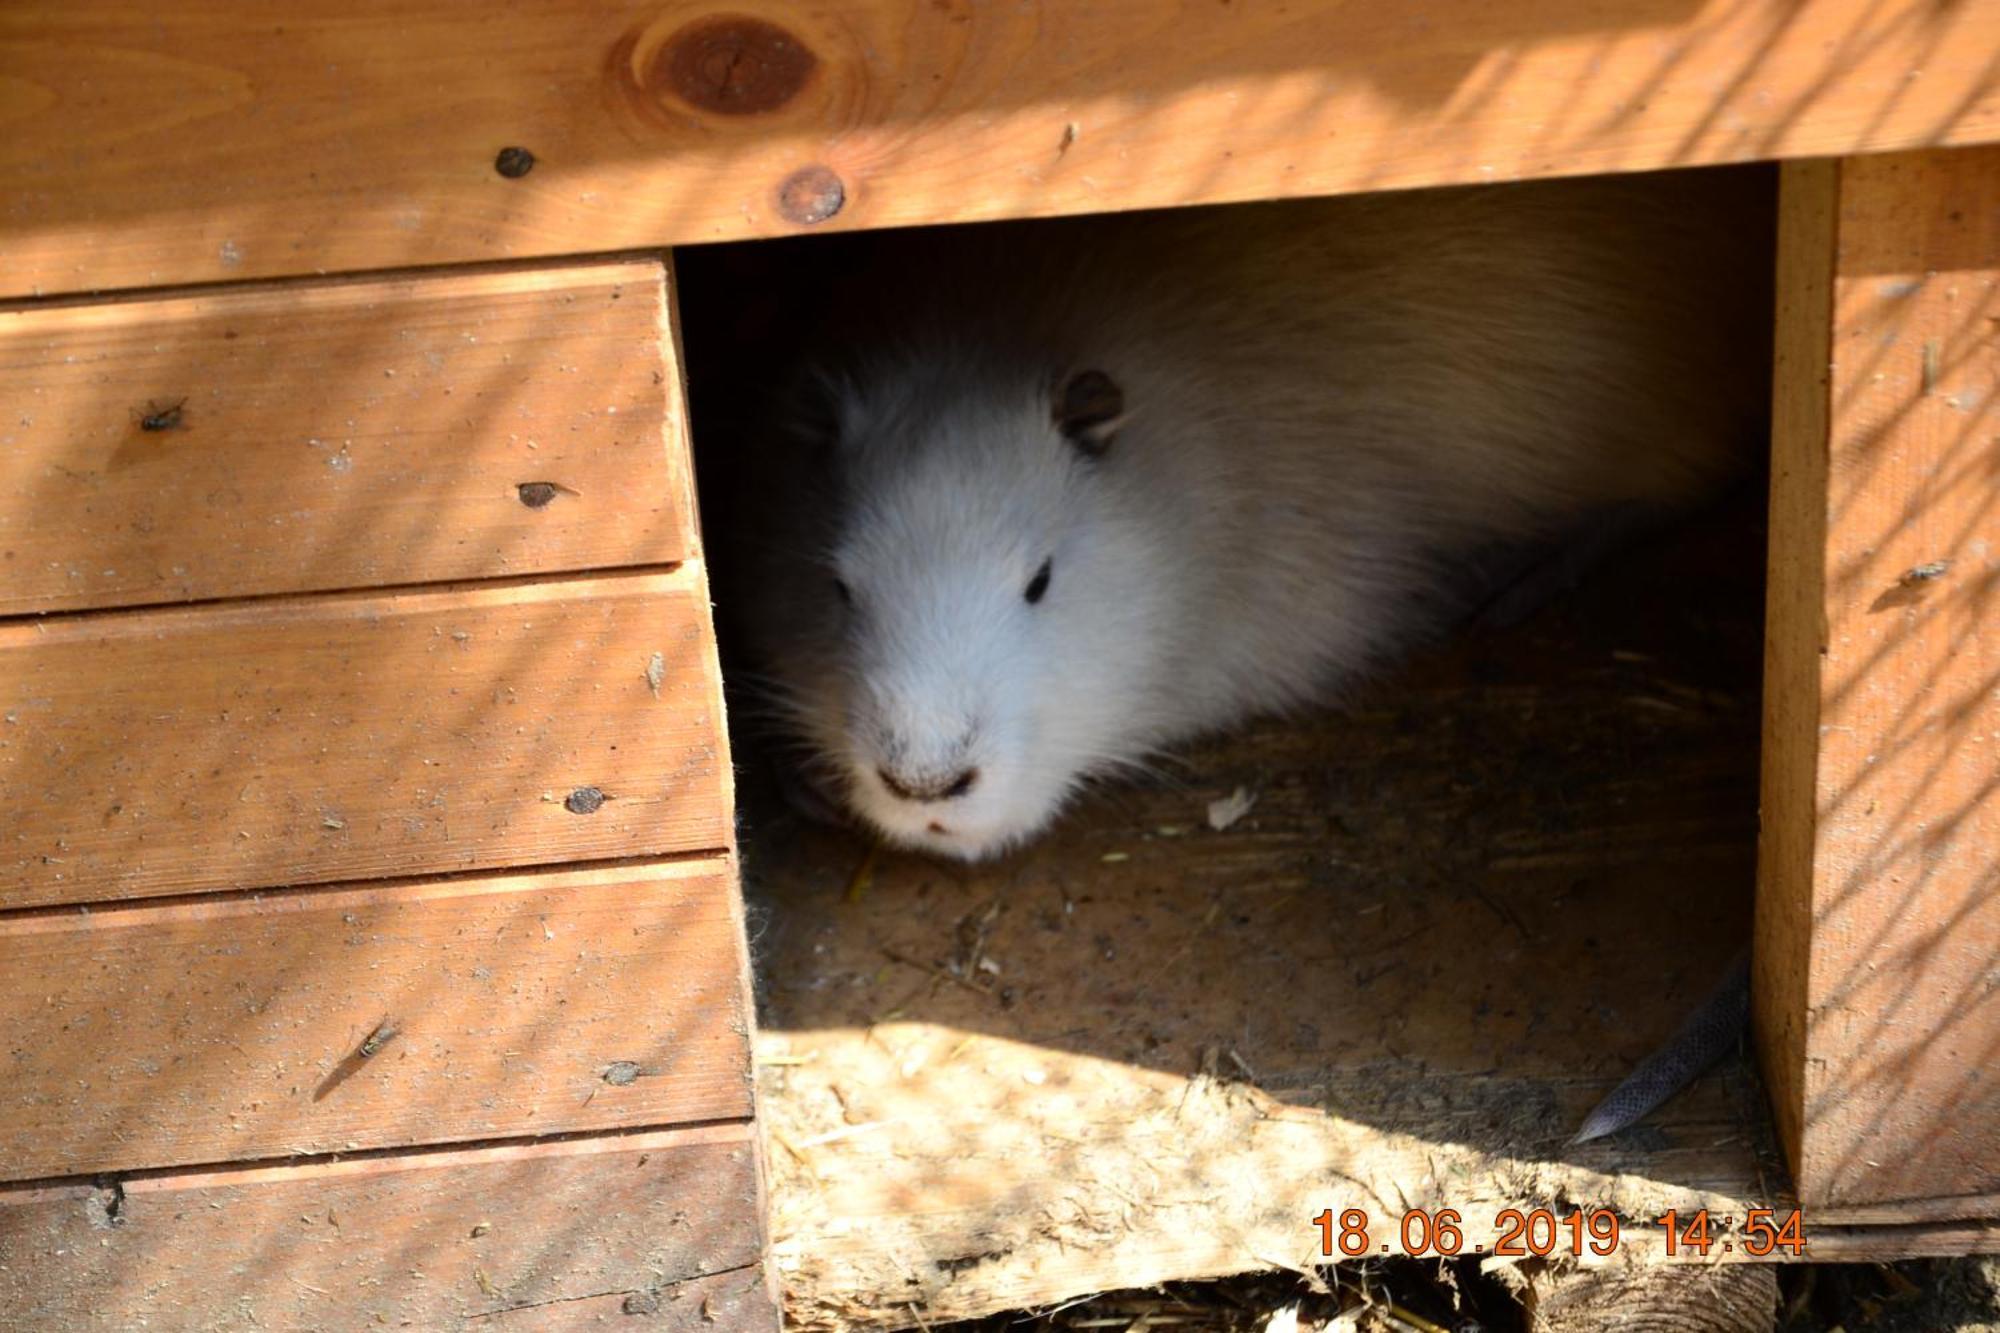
[
  {"x": 1781, "y": 960},
  {"x": 223, "y": 142},
  {"x": 1144, "y": 1049},
  {"x": 317, "y": 739},
  {"x": 539, "y": 1236},
  {"x": 323, "y": 435},
  {"x": 215, "y": 1031},
  {"x": 1879, "y": 901}
]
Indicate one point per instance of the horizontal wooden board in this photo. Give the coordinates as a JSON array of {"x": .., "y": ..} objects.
[
  {"x": 212, "y": 1031},
  {"x": 217, "y": 141},
  {"x": 318, "y": 739},
  {"x": 306, "y": 436},
  {"x": 544, "y": 1237},
  {"x": 1888, "y": 1244}
]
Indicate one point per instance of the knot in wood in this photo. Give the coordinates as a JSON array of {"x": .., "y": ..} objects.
[
  {"x": 734, "y": 66},
  {"x": 514, "y": 163}
]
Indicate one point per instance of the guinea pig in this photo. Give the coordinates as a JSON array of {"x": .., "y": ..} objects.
[{"x": 1048, "y": 497}]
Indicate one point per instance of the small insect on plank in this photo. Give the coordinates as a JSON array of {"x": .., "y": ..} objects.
[
  {"x": 159, "y": 418},
  {"x": 379, "y": 1036},
  {"x": 383, "y": 1034}
]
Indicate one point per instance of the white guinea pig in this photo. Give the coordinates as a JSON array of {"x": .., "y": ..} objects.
[{"x": 1067, "y": 492}]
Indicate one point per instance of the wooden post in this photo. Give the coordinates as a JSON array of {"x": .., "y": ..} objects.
[{"x": 1878, "y": 914}]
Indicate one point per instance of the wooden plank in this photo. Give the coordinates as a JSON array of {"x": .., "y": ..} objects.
[
  {"x": 211, "y": 1031},
  {"x": 1794, "y": 597},
  {"x": 233, "y": 141},
  {"x": 1909, "y": 1212},
  {"x": 1879, "y": 895},
  {"x": 539, "y": 1236},
  {"x": 328, "y": 435},
  {"x": 309, "y": 740},
  {"x": 1889, "y": 1244}
]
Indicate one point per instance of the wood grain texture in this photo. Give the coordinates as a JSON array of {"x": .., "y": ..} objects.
[
  {"x": 232, "y": 141},
  {"x": 1910, "y": 1212},
  {"x": 1886, "y": 1244},
  {"x": 213, "y": 1031},
  {"x": 1727, "y": 1298},
  {"x": 545, "y": 1236},
  {"x": 318, "y": 739},
  {"x": 1795, "y": 595},
  {"x": 324, "y": 435},
  {"x": 1879, "y": 919}
]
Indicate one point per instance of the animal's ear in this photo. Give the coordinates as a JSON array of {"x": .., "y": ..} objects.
[
  {"x": 811, "y": 413},
  {"x": 1089, "y": 408}
]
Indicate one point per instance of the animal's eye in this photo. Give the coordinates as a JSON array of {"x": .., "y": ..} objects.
[
  {"x": 845, "y": 593},
  {"x": 1089, "y": 409},
  {"x": 1038, "y": 586}
]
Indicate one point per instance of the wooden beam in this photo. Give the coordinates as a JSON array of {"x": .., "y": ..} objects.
[
  {"x": 299, "y": 437},
  {"x": 1878, "y": 917},
  {"x": 245, "y": 140},
  {"x": 545, "y": 1236},
  {"x": 315, "y": 739}
]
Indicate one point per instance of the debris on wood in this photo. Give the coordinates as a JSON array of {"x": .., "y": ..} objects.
[
  {"x": 1229, "y": 809},
  {"x": 159, "y": 418}
]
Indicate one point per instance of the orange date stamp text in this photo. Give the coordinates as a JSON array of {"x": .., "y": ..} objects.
[{"x": 1522, "y": 1233}]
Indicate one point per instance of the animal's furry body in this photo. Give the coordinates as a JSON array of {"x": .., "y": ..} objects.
[{"x": 1328, "y": 408}]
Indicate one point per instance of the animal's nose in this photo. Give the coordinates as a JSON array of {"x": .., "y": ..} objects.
[{"x": 912, "y": 787}]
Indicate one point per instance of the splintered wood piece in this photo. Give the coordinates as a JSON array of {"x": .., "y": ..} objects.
[
  {"x": 240, "y": 1029},
  {"x": 1878, "y": 916},
  {"x": 298, "y": 437},
  {"x": 186, "y": 142},
  {"x": 546, "y": 1236},
  {"x": 341, "y": 737}
]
